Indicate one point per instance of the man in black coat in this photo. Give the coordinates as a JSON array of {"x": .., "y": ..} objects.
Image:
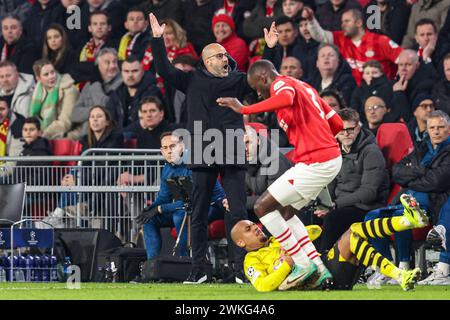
[
  {"x": 123, "y": 104},
  {"x": 15, "y": 47},
  {"x": 216, "y": 77}
]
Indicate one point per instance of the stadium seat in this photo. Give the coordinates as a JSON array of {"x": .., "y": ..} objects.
[
  {"x": 130, "y": 143},
  {"x": 65, "y": 147}
]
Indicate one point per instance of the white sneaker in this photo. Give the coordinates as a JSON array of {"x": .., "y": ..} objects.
[
  {"x": 377, "y": 279},
  {"x": 436, "y": 278}
]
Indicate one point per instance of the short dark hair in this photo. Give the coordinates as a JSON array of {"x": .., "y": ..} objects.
[
  {"x": 425, "y": 21},
  {"x": 11, "y": 16},
  {"x": 7, "y": 63},
  {"x": 331, "y": 92},
  {"x": 283, "y": 20},
  {"x": 33, "y": 120},
  {"x": 373, "y": 64},
  {"x": 98, "y": 13},
  {"x": 136, "y": 9},
  {"x": 151, "y": 99},
  {"x": 349, "y": 114},
  {"x": 446, "y": 57},
  {"x": 132, "y": 59},
  {"x": 3, "y": 99},
  {"x": 165, "y": 134},
  {"x": 185, "y": 59}
]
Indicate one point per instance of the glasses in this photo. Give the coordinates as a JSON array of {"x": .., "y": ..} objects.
[
  {"x": 425, "y": 106},
  {"x": 349, "y": 130},
  {"x": 374, "y": 107},
  {"x": 171, "y": 147},
  {"x": 219, "y": 56}
]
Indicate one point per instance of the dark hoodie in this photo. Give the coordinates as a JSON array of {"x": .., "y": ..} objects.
[
  {"x": 343, "y": 80},
  {"x": 125, "y": 110},
  {"x": 363, "y": 181},
  {"x": 380, "y": 87},
  {"x": 277, "y": 53},
  {"x": 306, "y": 52},
  {"x": 441, "y": 95},
  {"x": 202, "y": 89},
  {"x": 35, "y": 176}
]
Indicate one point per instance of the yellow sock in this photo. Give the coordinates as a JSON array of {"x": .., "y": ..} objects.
[
  {"x": 368, "y": 256},
  {"x": 381, "y": 228}
]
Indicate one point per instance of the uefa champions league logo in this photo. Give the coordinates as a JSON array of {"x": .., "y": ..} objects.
[{"x": 33, "y": 240}]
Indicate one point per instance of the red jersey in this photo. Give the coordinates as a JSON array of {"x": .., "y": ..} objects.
[
  {"x": 372, "y": 47},
  {"x": 309, "y": 122}
]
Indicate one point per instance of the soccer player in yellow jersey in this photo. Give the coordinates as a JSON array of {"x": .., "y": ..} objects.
[{"x": 267, "y": 265}]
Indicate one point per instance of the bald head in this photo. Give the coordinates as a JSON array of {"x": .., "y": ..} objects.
[
  {"x": 408, "y": 63},
  {"x": 215, "y": 59},
  {"x": 260, "y": 77},
  {"x": 248, "y": 235}
]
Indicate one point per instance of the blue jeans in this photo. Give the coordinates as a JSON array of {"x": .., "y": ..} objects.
[
  {"x": 403, "y": 239},
  {"x": 152, "y": 236},
  {"x": 444, "y": 219}
]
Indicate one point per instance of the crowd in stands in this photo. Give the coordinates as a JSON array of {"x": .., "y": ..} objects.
[{"x": 373, "y": 61}]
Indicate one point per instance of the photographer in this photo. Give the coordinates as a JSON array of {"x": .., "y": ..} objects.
[{"x": 165, "y": 211}]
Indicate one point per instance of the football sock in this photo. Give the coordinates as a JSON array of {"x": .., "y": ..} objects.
[
  {"x": 380, "y": 228},
  {"x": 444, "y": 267}
]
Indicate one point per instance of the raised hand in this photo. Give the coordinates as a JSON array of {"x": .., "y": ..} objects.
[
  {"x": 308, "y": 13},
  {"x": 232, "y": 103},
  {"x": 271, "y": 36},
  {"x": 401, "y": 84},
  {"x": 157, "y": 29}
]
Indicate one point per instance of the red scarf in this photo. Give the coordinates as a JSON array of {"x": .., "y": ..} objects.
[{"x": 90, "y": 50}]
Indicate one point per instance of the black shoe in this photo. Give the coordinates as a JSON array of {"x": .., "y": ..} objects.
[
  {"x": 240, "y": 278},
  {"x": 436, "y": 238},
  {"x": 197, "y": 276}
]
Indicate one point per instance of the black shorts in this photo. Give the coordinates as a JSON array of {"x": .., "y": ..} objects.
[{"x": 345, "y": 274}]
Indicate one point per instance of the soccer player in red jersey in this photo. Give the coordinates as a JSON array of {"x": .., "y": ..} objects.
[{"x": 311, "y": 126}]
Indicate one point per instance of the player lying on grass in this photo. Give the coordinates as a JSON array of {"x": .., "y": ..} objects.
[{"x": 267, "y": 265}]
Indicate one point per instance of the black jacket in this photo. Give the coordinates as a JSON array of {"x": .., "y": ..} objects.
[
  {"x": 202, "y": 89},
  {"x": 422, "y": 81},
  {"x": 441, "y": 95},
  {"x": 276, "y": 53},
  {"x": 416, "y": 136},
  {"x": 118, "y": 100},
  {"x": 33, "y": 175},
  {"x": 363, "y": 180},
  {"x": 380, "y": 87},
  {"x": 23, "y": 53},
  {"x": 306, "y": 52},
  {"x": 165, "y": 9},
  {"x": 433, "y": 179},
  {"x": 147, "y": 139},
  {"x": 330, "y": 19},
  {"x": 343, "y": 80}
]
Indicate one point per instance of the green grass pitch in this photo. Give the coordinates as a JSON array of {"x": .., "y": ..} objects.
[{"x": 158, "y": 291}]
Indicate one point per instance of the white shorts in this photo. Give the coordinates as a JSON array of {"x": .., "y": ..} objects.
[{"x": 303, "y": 183}]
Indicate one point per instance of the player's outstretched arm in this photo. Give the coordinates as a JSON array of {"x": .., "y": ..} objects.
[{"x": 232, "y": 103}]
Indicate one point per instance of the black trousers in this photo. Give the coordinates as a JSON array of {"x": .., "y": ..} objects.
[
  {"x": 203, "y": 181},
  {"x": 336, "y": 222}
]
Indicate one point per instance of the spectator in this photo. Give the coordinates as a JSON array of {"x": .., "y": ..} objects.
[
  {"x": 333, "y": 72},
  {"x": 124, "y": 101},
  {"x": 197, "y": 19},
  {"x": 10, "y": 131},
  {"x": 287, "y": 34},
  {"x": 238, "y": 10},
  {"x": 176, "y": 44},
  {"x": 53, "y": 100},
  {"x": 356, "y": 44},
  {"x": 263, "y": 157},
  {"x": 413, "y": 77},
  {"x": 96, "y": 93},
  {"x": 176, "y": 100},
  {"x": 374, "y": 83},
  {"x": 264, "y": 13},
  {"x": 292, "y": 9},
  {"x": 433, "y": 10},
  {"x": 441, "y": 90},
  {"x": 100, "y": 30},
  {"x": 165, "y": 211},
  {"x": 422, "y": 107},
  {"x": 361, "y": 185},
  {"x": 38, "y": 20},
  {"x": 425, "y": 173},
  {"x": 151, "y": 124},
  {"x": 334, "y": 99},
  {"x": 330, "y": 14},
  {"x": 224, "y": 30},
  {"x": 137, "y": 39},
  {"x": 35, "y": 145},
  {"x": 306, "y": 49},
  {"x": 375, "y": 110},
  {"x": 16, "y": 88},
  {"x": 426, "y": 37},
  {"x": 394, "y": 17},
  {"x": 165, "y": 9},
  {"x": 102, "y": 133},
  {"x": 16, "y": 7},
  {"x": 15, "y": 46},
  {"x": 57, "y": 49},
  {"x": 117, "y": 14},
  {"x": 291, "y": 66}
]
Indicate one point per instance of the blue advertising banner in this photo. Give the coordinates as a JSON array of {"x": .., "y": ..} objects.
[{"x": 28, "y": 237}]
